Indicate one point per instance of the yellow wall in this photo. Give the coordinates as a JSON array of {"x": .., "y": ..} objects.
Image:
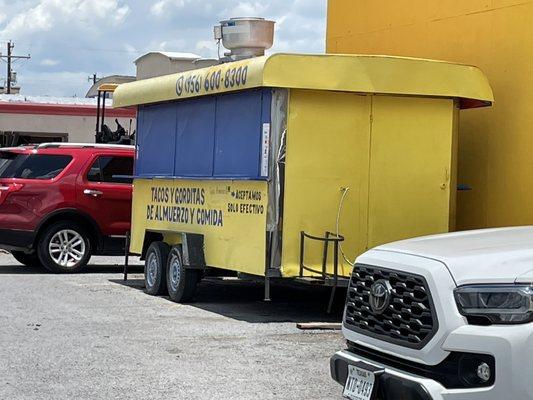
[
  {"x": 395, "y": 153},
  {"x": 496, "y": 35}
]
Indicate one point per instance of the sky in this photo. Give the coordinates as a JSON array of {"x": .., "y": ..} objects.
[{"x": 69, "y": 40}]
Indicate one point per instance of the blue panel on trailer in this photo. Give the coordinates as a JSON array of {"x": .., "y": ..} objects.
[
  {"x": 215, "y": 137},
  {"x": 195, "y": 137},
  {"x": 266, "y": 105},
  {"x": 238, "y": 134},
  {"x": 156, "y": 138}
]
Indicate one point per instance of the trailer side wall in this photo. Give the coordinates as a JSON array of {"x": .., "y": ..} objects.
[
  {"x": 396, "y": 155},
  {"x": 231, "y": 215},
  {"x": 328, "y": 144}
]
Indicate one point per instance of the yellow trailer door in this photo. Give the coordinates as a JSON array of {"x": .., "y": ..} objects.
[{"x": 412, "y": 167}]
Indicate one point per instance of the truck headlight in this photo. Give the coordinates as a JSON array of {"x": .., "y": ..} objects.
[{"x": 500, "y": 304}]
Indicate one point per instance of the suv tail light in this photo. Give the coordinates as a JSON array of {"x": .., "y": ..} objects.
[{"x": 7, "y": 188}]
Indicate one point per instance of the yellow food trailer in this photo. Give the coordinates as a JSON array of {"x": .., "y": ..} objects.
[{"x": 289, "y": 166}]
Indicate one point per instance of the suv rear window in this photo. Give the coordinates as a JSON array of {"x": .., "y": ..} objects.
[{"x": 32, "y": 166}]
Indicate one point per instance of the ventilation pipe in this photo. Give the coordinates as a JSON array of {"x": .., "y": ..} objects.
[{"x": 244, "y": 37}]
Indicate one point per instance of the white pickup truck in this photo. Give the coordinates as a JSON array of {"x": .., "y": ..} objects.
[{"x": 441, "y": 317}]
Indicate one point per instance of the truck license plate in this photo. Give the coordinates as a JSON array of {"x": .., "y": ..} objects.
[{"x": 360, "y": 384}]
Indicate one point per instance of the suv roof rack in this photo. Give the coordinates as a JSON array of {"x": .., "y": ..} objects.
[{"x": 84, "y": 145}]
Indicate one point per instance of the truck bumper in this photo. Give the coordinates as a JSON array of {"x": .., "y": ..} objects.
[
  {"x": 391, "y": 384},
  {"x": 510, "y": 346}
]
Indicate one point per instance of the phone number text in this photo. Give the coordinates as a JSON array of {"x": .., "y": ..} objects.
[{"x": 212, "y": 81}]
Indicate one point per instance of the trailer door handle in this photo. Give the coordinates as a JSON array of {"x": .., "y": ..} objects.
[{"x": 91, "y": 192}]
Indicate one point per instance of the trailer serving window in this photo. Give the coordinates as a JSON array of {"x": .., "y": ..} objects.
[{"x": 209, "y": 137}]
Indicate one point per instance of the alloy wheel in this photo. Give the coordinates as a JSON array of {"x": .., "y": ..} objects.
[{"x": 67, "y": 248}]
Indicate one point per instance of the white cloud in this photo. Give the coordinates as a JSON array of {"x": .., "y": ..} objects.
[
  {"x": 130, "y": 48},
  {"x": 62, "y": 83},
  {"x": 246, "y": 9},
  {"x": 159, "y": 7},
  {"x": 48, "y": 62},
  {"x": 203, "y": 46},
  {"x": 103, "y": 9},
  {"x": 168, "y": 45},
  {"x": 66, "y": 37},
  {"x": 34, "y": 20},
  {"x": 47, "y": 14}
]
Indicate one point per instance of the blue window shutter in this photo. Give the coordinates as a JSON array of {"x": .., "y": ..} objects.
[
  {"x": 156, "y": 136},
  {"x": 237, "y": 132},
  {"x": 195, "y": 137},
  {"x": 208, "y": 137}
]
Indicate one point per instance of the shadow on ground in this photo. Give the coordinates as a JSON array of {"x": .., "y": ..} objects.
[
  {"x": 237, "y": 299},
  {"x": 243, "y": 301},
  {"x": 20, "y": 269}
]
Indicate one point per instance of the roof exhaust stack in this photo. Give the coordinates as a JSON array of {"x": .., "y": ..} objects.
[{"x": 244, "y": 37}]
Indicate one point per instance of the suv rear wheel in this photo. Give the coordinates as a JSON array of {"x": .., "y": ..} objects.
[{"x": 64, "y": 247}]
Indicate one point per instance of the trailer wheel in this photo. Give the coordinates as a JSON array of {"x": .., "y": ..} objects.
[
  {"x": 181, "y": 282},
  {"x": 155, "y": 266}
]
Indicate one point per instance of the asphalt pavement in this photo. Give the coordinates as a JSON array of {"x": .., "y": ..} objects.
[{"x": 93, "y": 336}]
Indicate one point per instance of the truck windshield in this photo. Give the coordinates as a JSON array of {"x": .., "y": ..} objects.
[{"x": 31, "y": 166}]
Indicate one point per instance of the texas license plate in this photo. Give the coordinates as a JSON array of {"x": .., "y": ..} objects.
[{"x": 360, "y": 383}]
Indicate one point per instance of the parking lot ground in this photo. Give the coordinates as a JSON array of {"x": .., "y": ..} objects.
[{"x": 92, "y": 336}]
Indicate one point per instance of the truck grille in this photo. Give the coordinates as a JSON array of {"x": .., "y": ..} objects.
[{"x": 409, "y": 317}]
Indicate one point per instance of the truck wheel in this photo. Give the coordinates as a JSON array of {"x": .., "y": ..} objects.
[
  {"x": 181, "y": 282},
  {"x": 27, "y": 259},
  {"x": 155, "y": 268},
  {"x": 64, "y": 247}
]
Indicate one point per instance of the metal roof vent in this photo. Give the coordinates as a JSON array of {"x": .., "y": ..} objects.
[{"x": 245, "y": 37}]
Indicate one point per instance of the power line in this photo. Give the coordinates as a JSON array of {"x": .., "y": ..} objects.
[
  {"x": 95, "y": 49},
  {"x": 10, "y": 58},
  {"x": 104, "y": 50}
]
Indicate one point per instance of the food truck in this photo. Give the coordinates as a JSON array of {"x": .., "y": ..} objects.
[{"x": 288, "y": 166}]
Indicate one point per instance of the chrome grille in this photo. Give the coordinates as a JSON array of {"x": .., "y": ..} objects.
[{"x": 409, "y": 320}]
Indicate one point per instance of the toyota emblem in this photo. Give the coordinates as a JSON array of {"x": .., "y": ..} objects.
[{"x": 380, "y": 293}]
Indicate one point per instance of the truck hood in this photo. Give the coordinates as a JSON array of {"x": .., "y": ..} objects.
[{"x": 502, "y": 255}]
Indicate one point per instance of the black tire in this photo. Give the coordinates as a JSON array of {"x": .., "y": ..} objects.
[
  {"x": 27, "y": 259},
  {"x": 155, "y": 268},
  {"x": 181, "y": 282},
  {"x": 71, "y": 265}
]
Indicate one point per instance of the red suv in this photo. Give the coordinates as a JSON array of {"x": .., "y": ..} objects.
[{"x": 62, "y": 202}]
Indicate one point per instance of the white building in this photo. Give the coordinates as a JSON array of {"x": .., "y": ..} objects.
[
  {"x": 37, "y": 119},
  {"x": 157, "y": 63}
]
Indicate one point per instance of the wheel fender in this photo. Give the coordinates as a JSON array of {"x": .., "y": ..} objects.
[
  {"x": 192, "y": 250},
  {"x": 66, "y": 213}
]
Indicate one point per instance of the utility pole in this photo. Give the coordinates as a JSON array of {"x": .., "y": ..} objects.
[
  {"x": 10, "y": 57},
  {"x": 92, "y": 78},
  {"x": 9, "y": 48}
]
